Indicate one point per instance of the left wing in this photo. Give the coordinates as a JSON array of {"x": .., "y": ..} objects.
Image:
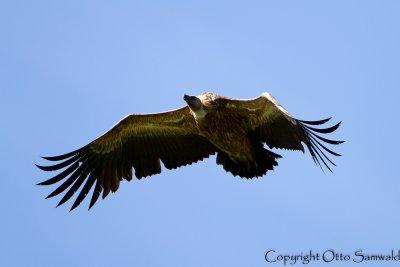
[{"x": 269, "y": 122}]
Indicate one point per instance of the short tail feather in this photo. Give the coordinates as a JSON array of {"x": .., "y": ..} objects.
[{"x": 264, "y": 160}]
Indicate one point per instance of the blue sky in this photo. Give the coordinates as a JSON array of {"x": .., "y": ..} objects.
[{"x": 70, "y": 70}]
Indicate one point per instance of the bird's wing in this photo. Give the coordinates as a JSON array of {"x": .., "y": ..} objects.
[
  {"x": 269, "y": 122},
  {"x": 138, "y": 141}
]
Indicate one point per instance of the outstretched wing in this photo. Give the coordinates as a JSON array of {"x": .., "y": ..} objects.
[
  {"x": 138, "y": 141},
  {"x": 269, "y": 122}
]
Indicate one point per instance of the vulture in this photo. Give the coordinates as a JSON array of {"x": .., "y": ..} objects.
[{"x": 233, "y": 129}]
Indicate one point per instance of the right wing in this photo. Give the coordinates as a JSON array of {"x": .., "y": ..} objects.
[{"x": 138, "y": 141}]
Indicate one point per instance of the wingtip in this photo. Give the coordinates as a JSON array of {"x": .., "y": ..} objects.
[
  {"x": 43, "y": 168},
  {"x": 48, "y": 158},
  {"x": 317, "y": 122},
  {"x": 327, "y": 119},
  {"x": 47, "y": 168},
  {"x": 73, "y": 207},
  {"x": 62, "y": 201},
  {"x": 91, "y": 204}
]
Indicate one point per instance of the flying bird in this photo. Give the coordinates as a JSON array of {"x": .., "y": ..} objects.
[{"x": 235, "y": 130}]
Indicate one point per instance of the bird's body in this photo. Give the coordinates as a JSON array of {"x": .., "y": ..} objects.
[
  {"x": 235, "y": 130},
  {"x": 224, "y": 129}
]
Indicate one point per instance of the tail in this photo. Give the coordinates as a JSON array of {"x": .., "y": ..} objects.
[{"x": 264, "y": 160}]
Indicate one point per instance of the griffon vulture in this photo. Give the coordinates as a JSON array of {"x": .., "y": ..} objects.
[{"x": 210, "y": 124}]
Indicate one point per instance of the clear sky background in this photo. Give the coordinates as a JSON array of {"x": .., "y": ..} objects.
[{"x": 70, "y": 70}]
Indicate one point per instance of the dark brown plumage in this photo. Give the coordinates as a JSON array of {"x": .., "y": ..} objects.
[{"x": 234, "y": 129}]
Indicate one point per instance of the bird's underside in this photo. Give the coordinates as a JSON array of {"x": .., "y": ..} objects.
[{"x": 234, "y": 130}]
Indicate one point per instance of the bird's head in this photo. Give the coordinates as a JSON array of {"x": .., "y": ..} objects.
[
  {"x": 201, "y": 105},
  {"x": 193, "y": 102}
]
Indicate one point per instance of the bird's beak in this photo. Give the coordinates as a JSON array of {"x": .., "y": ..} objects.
[{"x": 189, "y": 99}]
